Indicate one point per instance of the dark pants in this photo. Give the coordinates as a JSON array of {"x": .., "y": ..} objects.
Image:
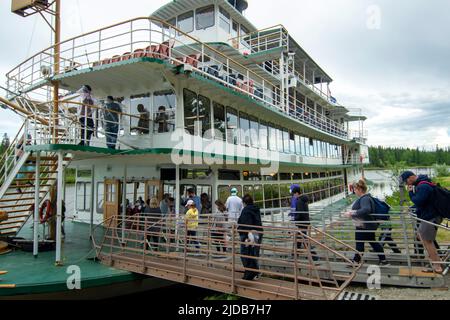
[
  {"x": 250, "y": 263},
  {"x": 87, "y": 130},
  {"x": 362, "y": 236},
  {"x": 192, "y": 234},
  {"x": 111, "y": 135},
  {"x": 386, "y": 236}
]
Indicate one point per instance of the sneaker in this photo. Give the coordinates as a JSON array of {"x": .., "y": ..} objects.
[{"x": 384, "y": 263}]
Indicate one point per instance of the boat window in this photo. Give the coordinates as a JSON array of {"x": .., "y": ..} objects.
[
  {"x": 285, "y": 176},
  {"x": 204, "y": 114},
  {"x": 244, "y": 31},
  {"x": 235, "y": 29},
  {"x": 100, "y": 196},
  {"x": 229, "y": 175},
  {"x": 273, "y": 138},
  {"x": 272, "y": 196},
  {"x": 285, "y": 195},
  {"x": 219, "y": 121},
  {"x": 205, "y": 17},
  {"x": 298, "y": 145},
  {"x": 83, "y": 196},
  {"x": 254, "y": 130},
  {"x": 168, "y": 30},
  {"x": 186, "y": 22},
  {"x": 224, "y": 20},
  {"x": 197, "y": 112},
  {"x": 280, "y": 143},
  {"x": 224, "y": 193},
  {"x": 244, "y": 126},
  {"x": 286, "y": 141},
  {"x": 164, "y": 111},
  {"x": 292, "y": 142},
  {"x": 272, "y": 177},
  {"x": 252, "y": 176},
  {"x": 190, "y": 110},
  {"x": 263, "y": 136},
  {"x": 232, "y": 126}
]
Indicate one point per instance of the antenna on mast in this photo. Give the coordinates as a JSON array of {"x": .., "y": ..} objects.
[{"x": 26, "y": 8}]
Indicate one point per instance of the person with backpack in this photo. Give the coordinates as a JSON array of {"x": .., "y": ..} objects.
[
  {"x": 432, "y": 204},
  {"x": 365, "y": 223}
]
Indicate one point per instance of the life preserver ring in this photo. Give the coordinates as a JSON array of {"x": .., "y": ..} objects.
[{"x": 46, "y": 211}]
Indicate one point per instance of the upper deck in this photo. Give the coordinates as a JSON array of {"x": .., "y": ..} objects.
[{"x": 261, "y": 65}]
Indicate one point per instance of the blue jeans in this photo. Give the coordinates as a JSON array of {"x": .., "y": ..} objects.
[{"x": 111, "y": 135}]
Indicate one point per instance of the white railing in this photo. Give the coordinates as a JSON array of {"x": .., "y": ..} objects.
[{"x": 154, "y": 39}]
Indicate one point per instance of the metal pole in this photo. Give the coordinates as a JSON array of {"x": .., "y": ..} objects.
[
  {"x": 59, "y": 209},
  {"x": 56, "y": 67},
  {"x": 124, "y": 202},
  {"x": 92, "y": 200},
  {"x": 37, "y": 183}
]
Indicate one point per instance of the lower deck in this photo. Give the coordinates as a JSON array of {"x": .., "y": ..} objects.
[{"x": 40, "y": 278}]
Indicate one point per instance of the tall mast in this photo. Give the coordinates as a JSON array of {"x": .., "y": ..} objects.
[
  {"x": 57, "y": 52},
  {"x": 26, "y": 8}
]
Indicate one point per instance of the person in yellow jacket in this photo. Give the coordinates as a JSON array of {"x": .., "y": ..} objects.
[{"x": 192, "y": 223}]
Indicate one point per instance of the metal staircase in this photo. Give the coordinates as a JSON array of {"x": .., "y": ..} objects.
[{"x": 18, "y": 171}]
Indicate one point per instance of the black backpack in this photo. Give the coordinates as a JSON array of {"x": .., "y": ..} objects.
[{"x": 441, "y": 200}]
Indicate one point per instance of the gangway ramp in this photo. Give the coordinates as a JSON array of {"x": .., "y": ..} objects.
[{"x": 129, "y": 244}]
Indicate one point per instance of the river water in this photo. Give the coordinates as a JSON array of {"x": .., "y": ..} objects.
[{"x": 384, "y": 183}]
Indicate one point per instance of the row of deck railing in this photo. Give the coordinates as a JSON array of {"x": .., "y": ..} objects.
[
  {"x": 217, "y": 247},
  {"x": 151, "y": 38}
]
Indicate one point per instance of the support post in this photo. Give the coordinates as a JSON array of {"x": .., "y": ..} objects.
[
  {"x": 37, "y": 187},
  {"x": 56, "y": 66},
  {"x": 92, "y": 201},
  {"x": 177, "y": 201},
  {"x": 124, "y": 202},
  {"x": 59, "y": 209}
]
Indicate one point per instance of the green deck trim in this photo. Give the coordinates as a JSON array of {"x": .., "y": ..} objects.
[
  {"x": 41, "y": 276},
  {"x": 165, "y": 151},
  {"x": 111, "y": 65}
]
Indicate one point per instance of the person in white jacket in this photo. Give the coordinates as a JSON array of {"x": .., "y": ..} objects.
[{"x": 234, "y": 206}]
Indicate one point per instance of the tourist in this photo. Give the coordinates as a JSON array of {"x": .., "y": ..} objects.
[
  {"x": 361, "y": 213},
  {"x": 144, "y": 120},
  {"x": 153, "y": 221},
  {"x": 421, "y": 194},
  {"x": 192, "y": 196},
  {"x": 191, "y": 220},
  {"x": 164, "y": 205},
  {"x": 234, "y": 206},
  {"x": 219, "y": 230},
  {"x": 162, "y": 120},
  {"x": 85, "y": 115},
  {"x": 293, "y": 211},
  {"x": 206, "y": 204},
  {"x": 251, "y": 236},
  {"x": 112, "y": 111}
]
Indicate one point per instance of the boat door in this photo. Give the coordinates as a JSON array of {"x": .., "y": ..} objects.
[
  {"x": 111, "y": 204},
  {"x": 153, "y": 188}
]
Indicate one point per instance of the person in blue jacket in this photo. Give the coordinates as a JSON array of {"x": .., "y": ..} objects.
[
  {"x": 421, "y": 193},
  {"x": 366, "y": 225}
]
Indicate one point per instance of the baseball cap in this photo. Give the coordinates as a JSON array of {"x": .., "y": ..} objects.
[
  {"x": 190, "y": 203},
  {"x": 234, "y": 191}
]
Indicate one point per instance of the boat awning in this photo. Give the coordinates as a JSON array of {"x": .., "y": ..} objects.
[
  {"x": 177, "y": 7},
  {"x": 312, "y": 68}
]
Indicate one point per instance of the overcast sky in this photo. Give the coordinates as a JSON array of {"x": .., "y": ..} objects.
[{"x": 389, "y": 58}]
